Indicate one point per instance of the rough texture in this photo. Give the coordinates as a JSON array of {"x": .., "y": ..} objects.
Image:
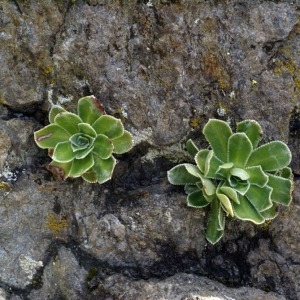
[{"x": 163, "y": 67}]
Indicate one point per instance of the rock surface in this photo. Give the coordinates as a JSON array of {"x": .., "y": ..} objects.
[{"x": 164, "y": 67}]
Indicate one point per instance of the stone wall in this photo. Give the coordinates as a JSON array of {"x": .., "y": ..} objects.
[{"x": 164, "y": 67}]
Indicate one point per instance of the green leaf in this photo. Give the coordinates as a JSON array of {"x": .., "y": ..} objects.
[
  {"x": 109, "y": 126},
  {"x": 230, "y": 193},
  {"x": 239, "y": 149},
  {"x": 217, "y": 133},
  {"x": 191, "y": 148},
  {"x": 68, "y": 121},
  {"x": 257, "y": 176},
  {"x": 60, "y": 171},
  {"x": 282, "y": 189},
  {"x": 212, "y": 165},
  {"x": 81, "y": 141},
  {"x": 260, "y": 197},
  {"x": 270, "y": 213},
  {"x": 193, "y": 170},
  {"x": 104, "y": 168},
  {"x": 90, "y": 176},
  {"x": 89, "y": 109},
  {"x": 50, "y": 136},
  {"x": 87, "y": 129},
  {"x": 215, "y": 224},
  {"x": 54, "y": 111},
  {"x": 272, "y": 156},
  {"x": 103, "y": 146},
  {"x": 197, "y": 200},
  {"x": 180, "y": 176},
  {"x": 80, "y": 166},
  {"x": 224, "y": 170},
  {"x": 286, "y": 173},
  {"x": 83, "y": 153},
  {"x": 191, "y": 188},
  {"x": 200, "y": 159},
  {"x": 225, "y": 201},
  {"x": 240, "y": 173},
  {"x": 240, "y": 186},
  {"x": 208, "y": 186},
  {"x": 123, "y": 143},
  {"x": 252, "y": 129},
  {"x": 63, "y": 152},
  {"x": 246, "y": 211}
]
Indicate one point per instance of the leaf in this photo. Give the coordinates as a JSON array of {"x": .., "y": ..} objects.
[
  {"x": 260, "y": 197},
  {"x": 90, "y": 176},
  {"x": 282, "y": 189},
  {"x": 257, "y": 176},
  {"x": 83, "y": 153},
  {"x": 252, "y": 129},
  {"x": 193, "y": 170},
  {"x": 240, "y": 173},
  {"x": 63, "y": 152},
  {"x": 103, "y": 146},
  {"x": 208, "y": 186},
  {"x": 60, "y": 171},
  {"x": 239, "y": 149},
  {"x": 50, "y": 136},
  {"x": 217, "y": 133},
  {"x": 180, "y": 176},
  {"x": 68, "y": 121},
  {"x": 191, "y": 148},
  {"x": 123, "y": 143},
  {"x": 226, "y": 203},
  {"x": 200, "y": 159},
  {"x": 246, "y": 211},
  {"x": 230, "y": 193},
  {"x": 272, "y": 156},
  {"x": 80, "y": 166},
  {"x": 197, "y": 200},
  {"x": 87, "y": 129},
  {"x": 215, "y": 229},
  {"x": 224, "y": 170},
  {"x": 212, "y": 164},
  {"x": 286, "y": 173},
  {"x": 81, "y": 141},
  {"x": 191, "y": 188},
  {"x": 54, "y": 111},
  {"x": 89, "y": 109},
  {"x": 239, "y": 186},
  {"x": 104, "y": 168},
  {"x": 109, "y": 126},
  {"x": 270, "y": 213}
]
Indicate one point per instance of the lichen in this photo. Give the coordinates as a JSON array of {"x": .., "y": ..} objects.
[{"x": 56, "y": 223}]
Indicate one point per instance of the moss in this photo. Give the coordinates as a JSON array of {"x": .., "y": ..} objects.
[
  {"x": 92, "y": 273},
  {"x": 195, "y": 121},
  {"x": 55, "y": 223}
]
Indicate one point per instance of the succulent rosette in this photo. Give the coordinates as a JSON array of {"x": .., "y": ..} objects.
[
  {"x": 235, "y": 176},
  {"x": 84, "y": 144}
]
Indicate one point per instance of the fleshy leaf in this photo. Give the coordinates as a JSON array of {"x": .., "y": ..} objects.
[
  {"x": 83, "y": 153},
  {"x": 193, "y": 170},
  {"x": 180, "y": 176},
  {"x": 270, "y": 213},
  {"x": 80, "y": 166},
  {"x": 90, "y": 176},
  {"x": 239, "y": 149},
  {"x": 123, "y": 143},
  {"x": 230, "y": 193},
  {"x": 54, "y": 111},
  {"x": 68, "y": 121},
  {"x": 87, "y": 129},
  {"x": 109, "y": 126},
  {"x": 81, "y": 141},
  {"x": 282, "y": 189},
  {"x": 286, "y": 173},
  {"x": 104, "y": 168},
  {"x": 212, "y": 164},
  {"x": 196, "y": 199},
  {"x": 226, "y": 203},
  {"x": 89, "y": 109},
  {"x": 50, "y": 136},
  {"x": 191, "y": 148},
  {"x": 200, "y": 159},
  {"x": 252, "y": 129},
  {"x": 208, "y": 186},
  {"x": 191, "y": 188},
  {"x": 240, "y": 173},
  {"x": 224, "y": 170},
  {"x": 272, "y": 156},
  {"x": 63, "y": 152},
  {"x": 215, "y": 229},
  {"x": 217, "y": 133},
  {"x": 103, "y": 146},
  {"x": 260, "y": 197},
  {"x": 246, "y": 211},
  {"x": 60, "y": 171},
  {"x": 257, "y": 176},
  {"x": 240, "y": 186}
]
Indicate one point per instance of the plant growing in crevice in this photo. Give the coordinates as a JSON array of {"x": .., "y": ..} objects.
[
  {"x": 235, "y": 176},
  {"x": 84, "y": 144}
]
